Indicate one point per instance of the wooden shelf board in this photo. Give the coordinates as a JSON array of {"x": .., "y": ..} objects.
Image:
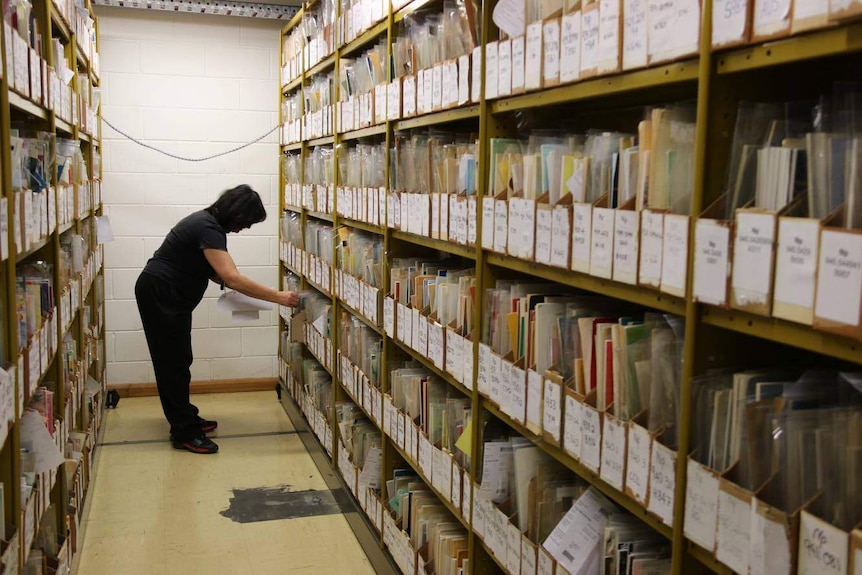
[
  {"x": 22, "y": 104},
  {"x": 784, "y": 332},
  {"x": 370, "y": 228},
  {"x": 640, "y": 295},
  {"x": 64, "y": 126},
  {"x": 819, "y": 44},
  {"x": 292, "y": 85},
  {"x": 294, "y": 147},
  {"x": 58, "y": 24},
  {"x": 409, "y": 8},
  {"x": 649, "y": 78},
  {"x": 324, "y": 141},
  {"x": 320, "y": 67},
  {"x": 363, "y": 133},
  {"x": 318, "y": 287},
  {"x": 427, "y": 363},
  {"x": 593, "y": 479},
  {"x": 364, "y": 38},
  {"x": 34, "y": 248},
  {"x": 468, "y": 252},
  {"x": 446, "y": 116},
  {"x": 443, "y": 500},
  {"x": 320, "y": 216},
  {"x": 361, "y": 317}
]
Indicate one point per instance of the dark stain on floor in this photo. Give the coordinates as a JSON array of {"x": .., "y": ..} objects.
[{"x": 274, "y": 503}]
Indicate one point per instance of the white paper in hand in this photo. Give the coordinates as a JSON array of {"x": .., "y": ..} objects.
[
  {"x": 242, "y": 307},
  {"x": 35, "y": 437}
]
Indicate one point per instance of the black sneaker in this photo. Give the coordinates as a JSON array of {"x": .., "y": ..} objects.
[
  {"x": 200, "y": 444},
  {"x": 208, "y": 426}
]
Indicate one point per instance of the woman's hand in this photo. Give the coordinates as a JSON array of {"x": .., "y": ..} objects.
[{"x": 288, "y": 298}]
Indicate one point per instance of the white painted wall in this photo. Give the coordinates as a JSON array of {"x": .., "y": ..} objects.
[{"x": 193, "y": 85}]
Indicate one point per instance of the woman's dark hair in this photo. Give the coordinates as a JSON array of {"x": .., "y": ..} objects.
[{"x": 238, "y": 208}]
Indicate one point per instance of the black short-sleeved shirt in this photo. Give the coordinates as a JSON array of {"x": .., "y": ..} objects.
[{"x": 180, "y": 260}]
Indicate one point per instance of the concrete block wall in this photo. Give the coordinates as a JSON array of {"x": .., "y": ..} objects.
[{"x": 192, "y": 85}]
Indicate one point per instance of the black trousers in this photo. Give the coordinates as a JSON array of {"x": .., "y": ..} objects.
[{"x": 168, "y": 328}]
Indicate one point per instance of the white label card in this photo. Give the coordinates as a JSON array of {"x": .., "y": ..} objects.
[
  {"x": 552, "y": 415},
  {"x": 570, "y": 60},
  {"x": 601, "y": 252},
  {"x": 634, "y": 34},
  {"x": 591, "y": 437},
  {"x": 561, "y": 233},
  {"x": 796, "y": 262},
  {"x": 733, "y": 536},
  {"x": 729, "y": 18},
  {"x": 652, "y": 236},
  {"x": 551, "y": 38},
  {"x": 533, "y": 72},
  {"x": 613, "y": 452},
  {"x": 492, "y": 70},
  {"x": 582, "y": 228},
  {"x": 504, "y": 76},
  {"x": 674, "y": 259},
  {"x": 662, "y": 482},
  {"x": 626, "y": 235},
  {"x": 701, "y": 505},
  {"x": 839, "y": 280},
  {"x": 589, "y": 40},
  {"x": 519, "y": 55},
  {"x": 544, "y": 230},
  {"x": 711, "y": 244},
  {"x": 752, "y": 255}
]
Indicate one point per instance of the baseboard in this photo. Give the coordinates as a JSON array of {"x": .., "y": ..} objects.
[{"x": 198, "y": 387}]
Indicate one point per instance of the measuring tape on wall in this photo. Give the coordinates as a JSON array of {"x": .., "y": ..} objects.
[{"x": 241, "y": 9}]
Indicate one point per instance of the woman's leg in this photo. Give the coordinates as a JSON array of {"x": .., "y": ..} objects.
[{"x": 169, "y": 338}]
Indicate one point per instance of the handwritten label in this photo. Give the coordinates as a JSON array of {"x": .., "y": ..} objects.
[
  {"x": 753, "y": 249},
  {"x": 504, "y": 75},
  {"x": 652, "y": 236},
  {"x": 519, "y": 55},
  {"x": 551, "y": 37},
  {"x": 771, "y": 16},
  {"x": 626, "y": 237},
  {"x": 492, "y": 70},
  {"x": 437, "y": 87},
  {"x": 518, "y": 382},
  {"x": 634, "y": 34},
  {"x": 534, "y": 401},
  {"x": 485, "y": 367},
  {"x": 570, "y": 61},
  {"x": 573, "y": 428},
  {"x": 770, "y": 544},
  {"x": 662, "y": 482},
  {"x": 552, "y": 415},
  {"x": 674, "y": 258},
  {"x": 590, "y": 39},
  {"x": 701, "y": 505},
  {"x": 591, "y": 437},
  {"x": 733, "y": 535},
  {"x": 533, "y": 73},
  {"x": 463, "y": 79},
  {"x": 823, "y": 548},
  {"x": 561, "y": 232},
  {"x": 796, "y": 262},
  {"x": 513, "y": 548},
  {"x": 613, "y": 452},
  {"x": 609, "y": 35},
  {"x": 601, "y": 253},
  {"x": 409, "y": 97},
  {"x": 544, "y": 230},
  {"x": 488, "y": 223},
  {"x": 581, "y": 242},
  {"x": 528, "y": 557},
  {"x": 728, "y": 21},
  {"x": 435, "y": 344},
  {"x": 501, "y": 225},
  {"x": 546, "y": 563},
  {"x": 711, "y": 246},
  {"x": 522, "y": 227},
  {"x": 839, "y": 281}
]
